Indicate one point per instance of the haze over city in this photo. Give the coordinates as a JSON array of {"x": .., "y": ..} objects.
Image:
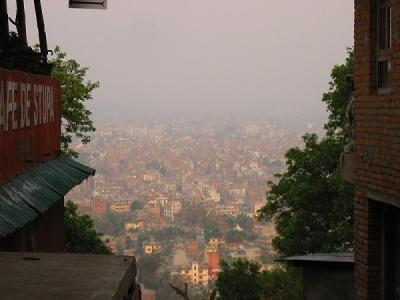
[
  {"x": 257, "y": 59},
  {"x": 200, "y": 149}
]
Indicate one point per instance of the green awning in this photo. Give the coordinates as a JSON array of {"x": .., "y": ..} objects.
[{"x": 27, "y": 196}]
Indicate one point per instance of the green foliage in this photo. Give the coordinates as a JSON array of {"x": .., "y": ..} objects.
[
  {"x": 240, "y": 280},
  {"x": 80, "y": 235},
  {"x": 170, "y": 234},
  {"x": 281, "y": 284},
  {"x": 211, "y": 230},
  {"x": 244, "y": 222},
  {"x": 337, "y": 97},
  {"x": 111, "y": 223},
  {"x": 75, "y": 91},
  {"x": 236, "y": 236},
  {"x": 311, "y": 204},
  {"x": 136, "y": 205},
  {"x": 243, "y": 280},
  {"x": 148, "y": 266}
]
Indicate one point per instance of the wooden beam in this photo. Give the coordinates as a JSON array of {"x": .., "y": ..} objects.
[
  {"x": 21, "y": 24},
  {"x": 41, "y": 29},
  {"x": 4, "y": 30}
]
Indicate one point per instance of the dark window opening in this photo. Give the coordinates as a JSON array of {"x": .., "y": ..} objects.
[
  {"x": 384, "y": 34},
  {"x": 384, "y": 74}
]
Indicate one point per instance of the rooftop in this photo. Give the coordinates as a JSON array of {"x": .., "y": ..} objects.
[
  {"x": 65, "y": 276},
  {"x": 346, "y": 257}
]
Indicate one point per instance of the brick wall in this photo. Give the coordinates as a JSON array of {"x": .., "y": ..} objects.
[{"x": 377, "y": 153}]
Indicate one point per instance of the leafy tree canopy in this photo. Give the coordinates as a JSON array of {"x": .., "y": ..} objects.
[
  {"x": 75, "y": 92},
  {"x": 211, "y": 230},
  {"x": 244, "y": 280},
  {"x": 80, "y": 235},
  {"x": 311, "y": 204}
]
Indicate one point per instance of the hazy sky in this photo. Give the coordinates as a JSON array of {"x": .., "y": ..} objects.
[{"x": 250, "y": 57}]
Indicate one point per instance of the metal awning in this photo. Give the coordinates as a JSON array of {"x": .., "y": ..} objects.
[{"x": 25, "y": 197}]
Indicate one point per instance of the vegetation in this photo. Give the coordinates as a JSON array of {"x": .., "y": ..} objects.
[
  {"x": 311, "y": 204},
  {"x": 80, "y": 235},
  {"x": 211, "y": 230},
  {"x": 243, "y": 280},
  {"x": 111, "y": 223},
  {"x": 236, "y": 236},
  {"x": 170, "y": 234},
  {"x": 75, "y": 92},
  {"x": 148, "y": 266}
]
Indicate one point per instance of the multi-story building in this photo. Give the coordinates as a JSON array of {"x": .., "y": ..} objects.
[
  {"x": 213, "y": 265},
  {"x": 121, "y": 206},
  {"x": 197, "y": 274},
  {"x": 376, "y": 149},
  {"x": 171, "y": 210},
  {"x": 159, "y": 201}
]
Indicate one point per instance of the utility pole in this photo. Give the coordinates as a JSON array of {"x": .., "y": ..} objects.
[
  {"x": 21, "y": 24},
  {"x": 42, "y": 32}
]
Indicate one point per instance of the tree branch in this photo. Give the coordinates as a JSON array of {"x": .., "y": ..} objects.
[{"x": 179, "y": 292}]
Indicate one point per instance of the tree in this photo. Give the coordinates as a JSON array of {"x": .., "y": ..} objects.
[
  {"x": 240, "y": 280},
  {"x": 282, "y": 284},
  {"x": 211, "y": 230},
  {"x": 244, "y": 222},
  {"x": 75, "y": 91},
  {"x": 80, "y": 235},
  {"x": 311, "y": 204},
  {"x": 136, "y": 205},
  {"x": 243, "y": 280}
]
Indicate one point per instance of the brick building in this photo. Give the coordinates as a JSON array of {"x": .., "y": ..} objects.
[{"x": 377, "y": 149}]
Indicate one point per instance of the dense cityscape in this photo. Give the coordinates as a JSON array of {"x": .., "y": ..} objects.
[{"x": 182, "y": 196}]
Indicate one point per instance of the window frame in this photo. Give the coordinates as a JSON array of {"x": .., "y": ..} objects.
[{"x": 384, "y": 45}]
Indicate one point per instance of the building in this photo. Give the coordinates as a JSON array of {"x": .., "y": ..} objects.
[
  {"x": 148, "y": 294},
  {"x": 376, "y": 149},
  {"x": 151, "y": 247},
  {"x": 121, "y": 206},
  {"x": 134, "y": 226},
  {"x": 213, "y": 265},
  {"x": 171, "y": 210},
  {"x": 326, "y": 276},
  {"x": 34, "y": 177},
  {"x": 196, "y": 274},
  {"x": 159, "y": 201}
]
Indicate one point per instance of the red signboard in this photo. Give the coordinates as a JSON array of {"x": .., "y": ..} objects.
[{"x": 30, "y": 121}]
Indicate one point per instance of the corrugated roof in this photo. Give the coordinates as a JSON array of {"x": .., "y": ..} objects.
[
  {"x": 27, "y": 196},
  {"x": 346, "y": 257}
]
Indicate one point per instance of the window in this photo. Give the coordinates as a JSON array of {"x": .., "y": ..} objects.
[{"x": 384, "y": 41}]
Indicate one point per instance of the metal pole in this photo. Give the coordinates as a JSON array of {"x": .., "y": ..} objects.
[
  {"x": 21, "y": 25},
  {"x": 3, "y": 25},
  {"x": 41, "y": 29}
]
